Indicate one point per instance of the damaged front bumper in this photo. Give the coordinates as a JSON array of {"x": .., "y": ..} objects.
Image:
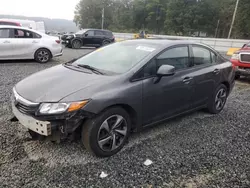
[
  {"x": 54, "y": 127},
  {"x": 40, "y": 127}
]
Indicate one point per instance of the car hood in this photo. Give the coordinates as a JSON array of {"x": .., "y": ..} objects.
[{"x": 56, "y": 83}]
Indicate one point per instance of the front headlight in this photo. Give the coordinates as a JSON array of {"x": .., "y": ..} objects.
[
  {"x": 69, "y": 37},
  {"x": 235, "y": 57},
  {"x": 58, "y": 108}
]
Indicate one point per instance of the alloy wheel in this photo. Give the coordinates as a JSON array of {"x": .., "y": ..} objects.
[
  {"x": 220, "y": 99},
  {"x": 105, "y": 43},
  {"x": 77, "y": 44},
  {"x": 112, "y": 133},
  {"x": 43, "y": 56}
]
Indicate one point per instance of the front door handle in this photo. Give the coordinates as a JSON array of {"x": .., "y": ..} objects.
[
  {"x": 34, "y": 42},
  {"x": 187, "y": 80},
  {"x": 216, "y": 71},
  {"x": 6, "y": 42}
]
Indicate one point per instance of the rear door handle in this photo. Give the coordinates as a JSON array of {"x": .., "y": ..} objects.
[
  {"x": 6, "y": 42},
  {"x": 187, "y": 80},
  {"x": 216, "y": 71},
  {"x": 34, "y": 42}
]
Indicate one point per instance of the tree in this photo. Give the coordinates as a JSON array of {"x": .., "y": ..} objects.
[
  {"x": 175, "y": 17},
  {"x": 242, "y": 24}
]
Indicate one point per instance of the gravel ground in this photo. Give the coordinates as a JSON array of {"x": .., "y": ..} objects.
[{"x": 197, "y": 150}]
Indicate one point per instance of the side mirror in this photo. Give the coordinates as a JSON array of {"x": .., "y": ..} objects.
[
  {"x": 86, "y": 34},
  {"x": 166, "y": 70}
]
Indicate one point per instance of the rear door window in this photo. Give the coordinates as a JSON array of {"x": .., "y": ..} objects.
[
  {"x": 214, "y": 57},
  {"x": 90, "y": 33},
  {"x": 98, "y": 33},
  {"x": 4, "y": 33},
  {"x": 20, "y": 33},
  {"x": 202, "y": 56}
]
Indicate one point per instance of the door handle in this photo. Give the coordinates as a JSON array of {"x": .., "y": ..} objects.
[
  {"x": 216, "y": 71},
  {"x": 34, "y": 42},
  {"x": 187, "y": 80},
  {"x": 6, "y": 42}
]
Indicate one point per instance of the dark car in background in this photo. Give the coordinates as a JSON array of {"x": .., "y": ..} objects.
[
  {"x": 123, "y": 87},
  {"x": 88, "y": 37}
]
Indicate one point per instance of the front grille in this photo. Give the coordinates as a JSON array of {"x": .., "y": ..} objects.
[
  {"x": 245, "y": 58},
  {"x": 30, "y": 110}
]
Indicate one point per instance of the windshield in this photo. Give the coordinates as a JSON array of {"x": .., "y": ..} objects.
[
  {"x": 81, "y": 32},
  {"x": 117, "y": 58}
]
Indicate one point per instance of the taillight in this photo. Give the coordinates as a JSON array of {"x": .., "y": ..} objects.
[{"x": 58, "y": 41}]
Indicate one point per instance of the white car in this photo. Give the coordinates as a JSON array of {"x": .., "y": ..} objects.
[{"x": 22, "y": 43}]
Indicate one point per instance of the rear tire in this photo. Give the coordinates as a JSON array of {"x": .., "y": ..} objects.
[
  {"x": 42, "y": 55},
  {"x": 105, "y": 43},
  {"x": 218, "y": 100},
  {"x": 76, "y": 44},
  {"x": 106, "y": 134}
]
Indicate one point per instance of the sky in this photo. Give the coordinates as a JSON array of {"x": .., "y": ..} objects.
[{"x": 40, "y": 8}]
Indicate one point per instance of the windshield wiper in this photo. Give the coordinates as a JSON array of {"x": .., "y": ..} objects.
[
  {"x": 90, "y": 68},
  {"x": 70, "y": 62}
]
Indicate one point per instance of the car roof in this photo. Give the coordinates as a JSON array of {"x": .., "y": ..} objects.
[
  {"x": 166, "y": 43},
  {"x": 97, "y": 29}
]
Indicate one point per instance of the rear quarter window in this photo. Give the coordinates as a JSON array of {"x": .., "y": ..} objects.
[
  {"x": 36, "y": 36},
  {"x": 108, "y": 33},
  {"x": 99, "y": 33}
]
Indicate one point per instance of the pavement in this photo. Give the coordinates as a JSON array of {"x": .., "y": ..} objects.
[{"x": 195, "y": 150}]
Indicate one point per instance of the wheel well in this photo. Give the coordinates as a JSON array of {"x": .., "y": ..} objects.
[
  {"x": 132, "y": 113},
  {"x": 76, "y": 39},
  {"x": 106, "y": 40},
  {"x": 45, "y": 49},
  {"x": 227, "y": 85}
]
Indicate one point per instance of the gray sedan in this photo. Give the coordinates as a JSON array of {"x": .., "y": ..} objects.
[{"x": 120, "y": 88}]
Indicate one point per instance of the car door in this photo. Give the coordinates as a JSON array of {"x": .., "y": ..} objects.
[
  {"x": 99, "y": 37},
  {"x": 170, "y": 95},
  {"x": 88, "y": 38},
  {"x": 6, "y": 45},
  {"x": 25, "y": 43},
  {"x": 206, "y": 74}
]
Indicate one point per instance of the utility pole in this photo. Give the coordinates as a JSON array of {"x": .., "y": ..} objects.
[
  {"x": 102, "y": 18},
  {"x": 216, "y": 31},
  {"x": 234, "y": 15}
]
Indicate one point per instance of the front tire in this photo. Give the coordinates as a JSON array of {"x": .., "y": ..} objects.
[
  {"x": 43, "y": 55},
  {"x": 106, "y": 134},
  {"x": 218, "y": 100},
  {"x": 76, "y": 44}
]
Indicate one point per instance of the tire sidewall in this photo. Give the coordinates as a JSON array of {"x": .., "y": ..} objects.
[
  {"x": 74, "y": 41},
  {"x": 105, "y": 43},
  {"x": 212, "y": 104},
  {"x": 36, "y": 54},
  {"x": 95, "y": 126}
]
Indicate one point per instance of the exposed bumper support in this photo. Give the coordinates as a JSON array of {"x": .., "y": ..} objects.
[{"x": 40, "y": 127}]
